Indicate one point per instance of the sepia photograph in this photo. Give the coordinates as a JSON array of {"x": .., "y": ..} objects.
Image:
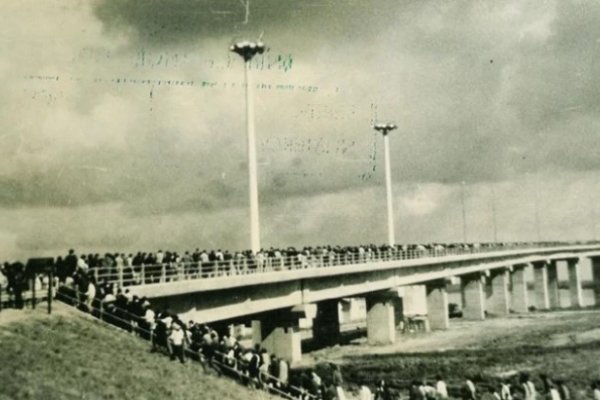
[{"x": 300, "y": 199}]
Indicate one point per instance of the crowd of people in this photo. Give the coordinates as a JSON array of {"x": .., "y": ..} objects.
[
  {"x": 77, "y": 283},
  {"x": 518, "y": 386},
  {"x": 183, "y": 341},
  {"x": 151, "y": 267},
  {"x": 17, "y": 285},
  {"x": 221, "y": 351},
  {"x": 127, "y": 269}
]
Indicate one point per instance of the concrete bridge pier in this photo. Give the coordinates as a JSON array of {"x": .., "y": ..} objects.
[
  {"x": 575, "y": 282},
  {"x": 326, "y": 324},
  {"x": 520, "y": 297},
  {"x": 437, "y": 305},
  {"x": 381, "y": 319},
  {"x": 279, "y": 334},
  {"x": 540, "y": 277},
  {"x": 497, "y": 299},
  {"x": 473, "y": 296},
  {"x": 553, "y": 289},
  {"x": 596, "y": 278}
]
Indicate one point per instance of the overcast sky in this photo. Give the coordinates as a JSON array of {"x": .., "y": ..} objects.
[{"x": 122, "y": 122}]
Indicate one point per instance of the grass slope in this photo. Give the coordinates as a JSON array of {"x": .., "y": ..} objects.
[{"x": 71, "y": 356}]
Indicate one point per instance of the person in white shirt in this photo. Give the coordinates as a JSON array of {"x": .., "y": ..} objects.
[
  {"x": 529, "y": 392},
  {"x": 365, "y": 393},
  {"x": 149, "y": 319},
  {"x": 553, "y": 391},
  {"x": 283, "y": 372},
  {"x": 90, "y": 295},
  {"x": 440, "y": 388},
  {"x": 505, "y": 393},
  {"x": 160, "y": 256},
  {"x": 3, "y": 281},
  {"x": 429, "y": 392},
  {"x": 469, "y": 392},
  {"x": 176, "y": 339},
  {"x": 596, "y": 390},
  {"x": 82, "y": 264}
]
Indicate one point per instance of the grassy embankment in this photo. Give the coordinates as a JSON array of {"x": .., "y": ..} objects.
[{"x": 71, "y": 356}]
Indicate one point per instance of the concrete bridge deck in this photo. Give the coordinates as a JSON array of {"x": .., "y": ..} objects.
[{"x": 274, "y": 294}]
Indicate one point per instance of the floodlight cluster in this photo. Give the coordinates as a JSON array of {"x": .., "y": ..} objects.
[
  {"x": 248, "y": 49},
  {"x": 384, "y": 128}
]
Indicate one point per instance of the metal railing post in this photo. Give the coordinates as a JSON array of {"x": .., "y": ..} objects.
[{"x": 120, "y": 275}]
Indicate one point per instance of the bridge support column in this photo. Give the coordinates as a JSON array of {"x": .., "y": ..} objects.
[
  {"x": 520, "y": 297},
  {"x": 472, "y": 292},
  {"x": 553, "y": 290},
  {"x": 437, "y": 305},
  {"x": 381, "y": 327},
  {"x": 326, "y": 325},
  {"x": 278, "y": 333},
  {"x": 497, "y": 300},
  {"x": 596, "y": 278},
  {"x": 540, "y": 277},
  {"x": 574, "y": 282}
]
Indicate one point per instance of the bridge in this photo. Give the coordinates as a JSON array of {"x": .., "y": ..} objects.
[{"x": 275, "y": 293}]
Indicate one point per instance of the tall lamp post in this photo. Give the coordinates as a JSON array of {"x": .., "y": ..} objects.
[
  {"x": 247, "y": 50},
  {"x": 385, "y": 129}
]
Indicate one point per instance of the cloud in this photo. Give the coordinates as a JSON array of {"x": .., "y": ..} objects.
[{"x": 139, "y": 107}]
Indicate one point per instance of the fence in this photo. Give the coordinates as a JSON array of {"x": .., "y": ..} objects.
[
  {"x": 128, "y": 322},
  {"x": 178, "y": 271}
]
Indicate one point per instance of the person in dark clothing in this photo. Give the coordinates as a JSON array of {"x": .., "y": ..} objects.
[
  {"x": 83, "y": 283},
  {"x": 59, "y": 267},
  {"x": 18, "y": 284},
  {"x": 70, "y": 263},
  {"x": 254, "y": 368},
  {"x": 382, "y": 392},
  {"x": 415, "y": 392}
]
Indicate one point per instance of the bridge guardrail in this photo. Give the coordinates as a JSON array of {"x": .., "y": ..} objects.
[{"x": 143, "y": 274}]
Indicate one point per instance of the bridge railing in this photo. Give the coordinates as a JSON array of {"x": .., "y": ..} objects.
[{"x": 144, "y": 274}]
